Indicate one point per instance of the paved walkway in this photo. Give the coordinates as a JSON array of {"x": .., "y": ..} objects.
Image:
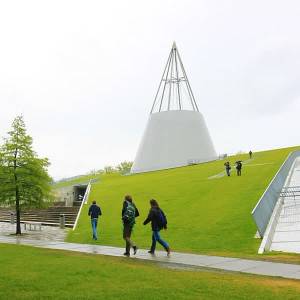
[
  {"x": 287, "y": 232},
  {"x": 246, "y": 163},
  {"x": 48, "y": 233},
  {"x": 176, "y": 259}
]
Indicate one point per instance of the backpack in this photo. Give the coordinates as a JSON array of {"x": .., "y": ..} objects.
[
  {"x": 129, "y": 214},
  {"x": 161, "y": 219}
]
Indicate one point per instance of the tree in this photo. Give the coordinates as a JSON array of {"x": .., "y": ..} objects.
[
  {"x": 24, "y": 179},
  {"x": 109, "y": 169},
  {"x": 124, "y": 167}
]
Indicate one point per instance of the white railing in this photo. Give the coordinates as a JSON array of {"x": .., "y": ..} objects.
[{"x": 84, "y": 201}]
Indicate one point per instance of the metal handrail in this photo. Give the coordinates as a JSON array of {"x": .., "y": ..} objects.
[{"x": 84, "y": 201}]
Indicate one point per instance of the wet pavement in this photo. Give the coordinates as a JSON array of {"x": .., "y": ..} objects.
[
  {"x": 48, "y": 233},
  {"x": 181, "y": 260}
]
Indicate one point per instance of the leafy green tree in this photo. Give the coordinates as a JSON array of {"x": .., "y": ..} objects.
[
  {"x": 124, "y": 167},
  {"x": 109, "y": 169},
  {"x": 24, "y": 179}
]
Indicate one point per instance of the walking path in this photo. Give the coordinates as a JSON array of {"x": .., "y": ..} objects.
[
  {"x": 48, "y": 233},
  {"x": 287, "y": 232},
  {"x": 176, "y": 259},
  {"x": 246, "y": 163}
]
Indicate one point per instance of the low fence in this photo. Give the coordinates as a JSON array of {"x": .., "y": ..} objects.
[{"x": 264, "y": 208}]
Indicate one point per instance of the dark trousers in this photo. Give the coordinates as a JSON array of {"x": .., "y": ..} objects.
[
  {"x": 127, "y": 230},
  {"x": 239, "y": 172},
  {"x": 228, "y": 172}
]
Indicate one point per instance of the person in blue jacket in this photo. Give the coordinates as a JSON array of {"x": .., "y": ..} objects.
[
  {"x": 158, "y": 222},
  {"x": 94, "y": 212}
]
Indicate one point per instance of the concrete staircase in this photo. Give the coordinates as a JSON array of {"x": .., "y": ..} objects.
[{"x": 49, "y": 216}]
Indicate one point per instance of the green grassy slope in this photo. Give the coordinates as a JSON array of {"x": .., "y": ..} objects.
[
  {"x": 81, "y": 179},
  {"x": 32, "y": 273},
  {"x": 205, "y": 215}
]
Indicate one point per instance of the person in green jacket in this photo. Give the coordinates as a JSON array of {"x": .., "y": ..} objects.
[{"x": 129, "y": 213}]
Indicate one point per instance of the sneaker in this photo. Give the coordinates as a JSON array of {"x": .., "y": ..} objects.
[
  {"x": 169, "y": 252},
  {"x": 126, "y": 254},
  {"x": 151, "y": 252},
  {"x": 135, "y": 248}
]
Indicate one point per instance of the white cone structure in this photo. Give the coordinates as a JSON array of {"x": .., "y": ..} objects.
[{"x": 176, "y": 134}]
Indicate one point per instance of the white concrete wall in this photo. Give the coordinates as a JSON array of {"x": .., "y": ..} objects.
[
  {"x": 65, "y": 194},
  {"x": 173, "y": 139}
]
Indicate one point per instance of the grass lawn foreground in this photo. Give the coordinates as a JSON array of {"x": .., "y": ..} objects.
[{"x": 33, "y": 273}]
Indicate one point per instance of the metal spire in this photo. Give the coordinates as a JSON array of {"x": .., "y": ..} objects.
[{"x": 174, "y": 91}]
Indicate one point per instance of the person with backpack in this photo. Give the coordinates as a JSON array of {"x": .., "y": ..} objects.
[
  {"x": 227, "y": 168},
  {"x": 94, "y": 212},
  {"x": 239, "y": 167},
  {"x": 129, "y": 213},
  {"x": 158, "y": 222}
]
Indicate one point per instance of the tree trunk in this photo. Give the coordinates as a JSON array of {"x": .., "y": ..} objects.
[{"x": 18, "y": 225}]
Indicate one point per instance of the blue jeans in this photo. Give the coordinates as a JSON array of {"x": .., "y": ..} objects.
[
  {"x": 94, "y": 227},
  {"x": 156, "y": 238}
]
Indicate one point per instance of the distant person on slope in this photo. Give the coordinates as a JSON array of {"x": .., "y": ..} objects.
[
  {"x": 158, "y": 221},
  {"x": 227, "y": 168},
  {"x": 94, "y": 212},
  {"x": 250, "y": 154},
  {"x": 129, "y": 213},
  {"x": 239, "y": 167}
]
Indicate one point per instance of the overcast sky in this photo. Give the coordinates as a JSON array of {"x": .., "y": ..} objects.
[{"x": 84, "y": 73}]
